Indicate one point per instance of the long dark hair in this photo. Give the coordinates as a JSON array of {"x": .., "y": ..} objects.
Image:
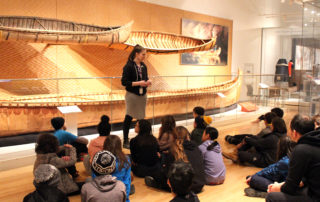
[
  {"x": 144, "y": 127},
  {"x": 285, "y": 147},
  {"x": 279, "y": 126},
  {"x": 213, "y": 134},
  {"x": 113, "y": 145},
  {"x": 168, "y": 125},
  {"x": 200, "y": 123},
  {"x": 137, "y": 49},
  {"x": 104, "y": 126},
  {"x": 47, "y": 143}
]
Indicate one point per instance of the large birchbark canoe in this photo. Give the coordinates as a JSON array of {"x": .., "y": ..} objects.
[
  {"x": 54, "y": 31},
  {"x": 33, "y": 113},
  {"x": 165, "y": 43}
]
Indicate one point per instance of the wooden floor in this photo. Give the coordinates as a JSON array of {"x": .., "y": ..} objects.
[{"x": 16, "y": 183}]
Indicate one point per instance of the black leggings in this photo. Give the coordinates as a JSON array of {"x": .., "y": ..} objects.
[
  {"x": 126, "y": 127},
  {"x": 237, "y": 139}
]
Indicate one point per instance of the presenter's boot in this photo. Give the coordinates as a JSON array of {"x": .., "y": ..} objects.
[{"x": 126, "y": 127}]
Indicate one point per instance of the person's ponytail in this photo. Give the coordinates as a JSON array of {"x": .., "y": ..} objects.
[{"x": 137, "y": 49}]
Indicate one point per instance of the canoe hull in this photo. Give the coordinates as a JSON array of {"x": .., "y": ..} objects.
[{"x": 53, "y": 31}]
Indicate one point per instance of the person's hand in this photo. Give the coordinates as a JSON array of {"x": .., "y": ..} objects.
[
  {"x": 67, "y": 145},
  {"x": 276, "y": 187},
  {"x": 159, "y": 155},
  {"x": 256, "y": 121},
  {"x": 66, "y": 158},
  {"x": 149, "y": 82},
  {"x": 143, "y": 84},
  {"x": 248, "y": 180}
]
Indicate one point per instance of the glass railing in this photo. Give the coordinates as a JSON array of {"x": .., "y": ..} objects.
[{"x": 28, "y": 105}]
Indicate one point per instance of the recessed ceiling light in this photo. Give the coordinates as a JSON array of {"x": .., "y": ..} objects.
[
  {"x": 305, "y": 9},
  {"x": 313, "y": 12},
  {"x": 305, "y": 24}
]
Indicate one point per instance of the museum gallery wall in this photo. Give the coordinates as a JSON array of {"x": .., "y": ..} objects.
[{"x": 20, "y": 60}]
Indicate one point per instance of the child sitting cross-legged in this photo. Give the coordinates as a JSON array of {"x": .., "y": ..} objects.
[
  {"x": 213, "y": 162},
  {"x": 46, "y": 180},
  {"x": 104, "y": 187}
]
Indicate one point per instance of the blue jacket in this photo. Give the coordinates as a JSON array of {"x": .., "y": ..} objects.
[
  {"x": 276, "y": 172},
  {"x": 123, "y": 175}
]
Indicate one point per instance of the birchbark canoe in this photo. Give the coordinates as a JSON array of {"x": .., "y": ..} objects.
[
  {"x": 55, "y": 31},
  {"x": 165, "y": 43}
]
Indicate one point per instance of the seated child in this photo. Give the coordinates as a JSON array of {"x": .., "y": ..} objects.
[
  {"x": 194, "y": 157},
  {"x": 104, "y": 187},
  {"x": 96, "y": 144},
  {"x": 266, "y": 146},
  {"x": 276, "y": 172},
  {"x": 180, "y": 180},
  {"x": 167, "y": 133},
  {"x": 47, "y": 147},
  {"x": 237, "y": 139},
  {"x": 200, "y": 123},
  {"x": 213, "y": 162},
  {"x": 123, "y": 167},
  {"x": 198, "y": 111},
  {"x": 144, "y": 149},
  {"x": 278, "y": 111},
  {"x": 46, "y": 180},
  {"x": 64, "y": 137}
]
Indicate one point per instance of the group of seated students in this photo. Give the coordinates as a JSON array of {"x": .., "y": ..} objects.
[
  {"x": 290, "y": 160},
  {"x": 178, "y": 161}
]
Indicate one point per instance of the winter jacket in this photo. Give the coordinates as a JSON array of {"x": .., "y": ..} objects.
[
  {"x": 105, "y": 188},
  {"x": 144, "y": 150},
  {"x": 66, "y": 185},
  {"x": 305, "y": 163},
  {"x": 195, "y": 158},
  {"x": 95, "y": 146},
  {"x": 276, "y": 172},
  {"x": 266, "y": 146},
  {"x": 213, "y": 163},
  {"x": 130, "y": 74},
  {"x": 45, "y": 193},
  {"x": 196, "y": 135}
]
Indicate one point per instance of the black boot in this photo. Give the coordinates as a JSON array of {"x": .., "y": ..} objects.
[{"x": 126, "y": 127}]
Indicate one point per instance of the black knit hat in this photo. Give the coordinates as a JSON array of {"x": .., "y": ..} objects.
[
  {"x": 57, "y": 123},
  {"x": 47, "y": 174},
  {"x": 103, "y": 163}
]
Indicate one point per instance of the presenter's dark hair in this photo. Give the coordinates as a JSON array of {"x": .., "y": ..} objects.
[{"x": 136, "y": 49}]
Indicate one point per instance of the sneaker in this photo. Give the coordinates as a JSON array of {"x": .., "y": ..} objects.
[
  {"x": 233, "y": 156},
  {"x": 255, "y": 193},
  {"x": 126, "y": 144},
  {"x": 150, "y": 182},
  {"x": 132, "y": 189}
]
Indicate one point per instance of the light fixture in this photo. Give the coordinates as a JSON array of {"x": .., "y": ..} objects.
[
  {"x": 305, "y": 9},
  {"x": 313, "y": 12},
  {"x": 305, "y": 24}
]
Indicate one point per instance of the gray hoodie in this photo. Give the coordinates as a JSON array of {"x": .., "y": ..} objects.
[
  {"x": 104, "y": 188},
  {"x": 213, "y": 163}
]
